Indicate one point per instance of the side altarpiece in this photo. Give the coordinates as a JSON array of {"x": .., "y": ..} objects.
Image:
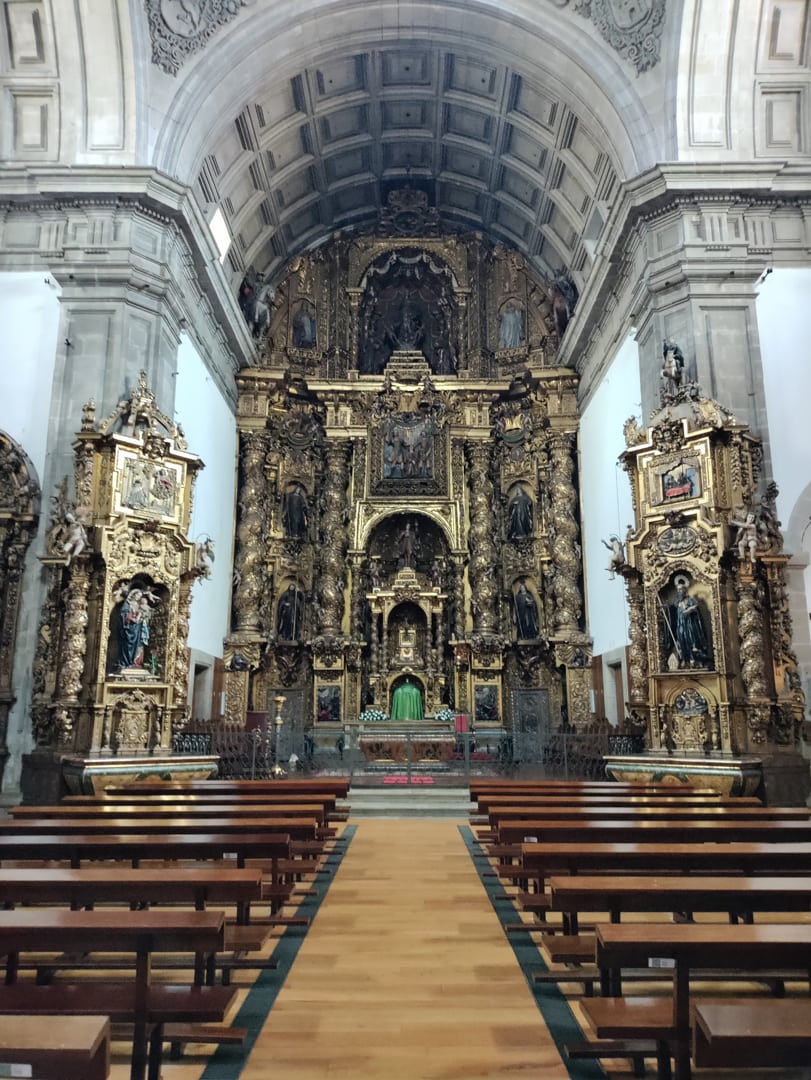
[{"x": 711, "y": 671}]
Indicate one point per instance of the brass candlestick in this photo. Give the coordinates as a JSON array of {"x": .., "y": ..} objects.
[{"x": 277, "y": 772}]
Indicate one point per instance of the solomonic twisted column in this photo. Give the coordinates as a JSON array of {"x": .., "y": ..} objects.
[
  {"x": 481, "y": 540},
  {"x": 638, "y": 653},
  {"x": 334, "y": 540},
  {"x": 753, "y": 664},
  {"x": 565, "y": 551},
  {"x": 248, "y": 558}
]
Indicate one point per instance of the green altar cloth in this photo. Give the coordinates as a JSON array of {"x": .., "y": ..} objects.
[{"x": 406, "y": 704}]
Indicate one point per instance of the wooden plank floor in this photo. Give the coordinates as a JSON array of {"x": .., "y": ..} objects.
[{"x": 405, "y": 973}]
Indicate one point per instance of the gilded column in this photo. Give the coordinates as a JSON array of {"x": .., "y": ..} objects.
[
  {"x": 638, "y": 652},
  {"x": 180, "y": 675},
  {"x": 71, "y": 668},
  {"x": 334, "y": 540},
  {"x": 481, "y": 541},
  {"x": 248, "y": 557},
  {"x": 355, "y": 622},
  {"x": 565, "y": 548},
  {"x": 458, "y": 599},
  {"x": 753, "y": 661}
]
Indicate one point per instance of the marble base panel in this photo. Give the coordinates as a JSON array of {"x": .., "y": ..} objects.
[
  {"x": 48, "y": 777},
  {"x": 726, "y": 775}
]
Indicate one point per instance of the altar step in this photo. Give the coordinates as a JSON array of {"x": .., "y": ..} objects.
[{"x": 417, "y": 800}]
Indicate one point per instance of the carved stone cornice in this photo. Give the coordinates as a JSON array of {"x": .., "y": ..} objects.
[{"x": 61, "y": 200}]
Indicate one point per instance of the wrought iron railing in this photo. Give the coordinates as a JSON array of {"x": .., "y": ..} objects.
[{"x": 244, "y": 755}]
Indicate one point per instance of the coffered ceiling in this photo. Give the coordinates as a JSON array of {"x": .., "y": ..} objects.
[{"x": 494, "y": 149}]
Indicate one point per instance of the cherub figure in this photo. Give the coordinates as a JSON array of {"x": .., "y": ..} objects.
[
  {"x": 205, "y": 556},
  {"x": 746, "y": 538},
  {"x": 617, "y": 560},
  {"x": 75, "y": 538}
]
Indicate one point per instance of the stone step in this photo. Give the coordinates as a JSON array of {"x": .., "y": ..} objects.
[{"x": 416, "y": 800}]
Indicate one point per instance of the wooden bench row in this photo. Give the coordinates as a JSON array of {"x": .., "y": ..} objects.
[
  {"x": 576, "y": 836},
  {"x": 192, "y": 829}
]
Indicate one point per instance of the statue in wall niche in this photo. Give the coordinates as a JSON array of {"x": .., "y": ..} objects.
[
  {"x": 525, "y": 611},
  {"x": 254, "y": 298},
  {"x": 409, "y": 334},
  {"x": 562, "y": 295},
  {"x": 304, "y": 326},
  {"x": 511, "y": 326},
  {"x": 520, "y": 515},
  {"x": 617, "y": 558},
  {"x": 686, "y": 630},
  {"x": 672, "y": 370},
  {"x": 407, "y": 545},
  {"x": 295, "y": 511},
  {"x": 290, "y": 614},
  {"x": 134, "y": 617}
]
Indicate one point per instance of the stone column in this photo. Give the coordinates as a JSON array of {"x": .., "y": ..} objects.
[
  {"x": 252, "y": 505},
  {"x": 334, "y": 540},
  {"x": 565, "y": 530},
  {"x": 481, "y": 541}
]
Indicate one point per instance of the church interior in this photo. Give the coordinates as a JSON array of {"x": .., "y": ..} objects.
[{"x": 385, "y": 381}]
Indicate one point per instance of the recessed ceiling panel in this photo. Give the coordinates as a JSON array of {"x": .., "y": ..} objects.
[
  {"x": 469, "y": 123},
  {"x": 341, "y": 77},
  {"x": 406, "y": 114},
  {"x": 468, "y": 164},
  {"x": 407, "y": 153},
  {"x": 470, "y": 76},
  {"x": 344, "y": 123},
  {"x": 533, "y": 103},
  {"x": 348, "y": 163},
  {"x": 296, "y": 187},
  {"x": 526, "y": 149},
  {"x": 405, "y": 67}
]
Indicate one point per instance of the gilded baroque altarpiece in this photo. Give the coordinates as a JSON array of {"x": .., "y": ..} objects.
[
  {"x": 712, "y": 670},
  {"x": 407, "y": 508},
  {"x": 111, "y": 665}
]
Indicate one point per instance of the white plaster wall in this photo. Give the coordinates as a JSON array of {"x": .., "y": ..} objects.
[
  {"x": 210, "y": 428},
  {"x": 605, "y": 494},
  {"x": 784, "y": 323},
  {"x": 29, "y": 317}
]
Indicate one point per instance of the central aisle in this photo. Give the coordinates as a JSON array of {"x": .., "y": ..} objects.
[{"x": 405, "y": 974}]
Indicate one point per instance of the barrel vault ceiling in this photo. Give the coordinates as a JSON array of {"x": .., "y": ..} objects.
[{"x": 493, "y": 150}]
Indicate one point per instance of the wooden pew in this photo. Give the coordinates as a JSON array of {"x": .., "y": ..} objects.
[
  {"x": 301, "y": 824},
  {"x": 704, "y": 858},
  {"x": 692, "y": 947},
  {"x": 586, "y": 787},
  {"x": 75, "y": 848},
  {"x": 237, "y": 801},
  {"x": 61, "y": 1048},
  {"x": 749, "y": 1034},
  {"x": 740, "y": 896},
  {"x": 115, "y": 884},
  {"x": 663, "y": 814},
  {"x": 328, "y": 785},
  {"x": 644, "y": 832},
  {"x": 138, "y": 1003},
  {"x": 485, "y": 802}
]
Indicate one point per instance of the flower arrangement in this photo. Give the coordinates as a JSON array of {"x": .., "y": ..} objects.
[
  {"x": 372, "y": 716},
  {"x": 444, "y": 716}
]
